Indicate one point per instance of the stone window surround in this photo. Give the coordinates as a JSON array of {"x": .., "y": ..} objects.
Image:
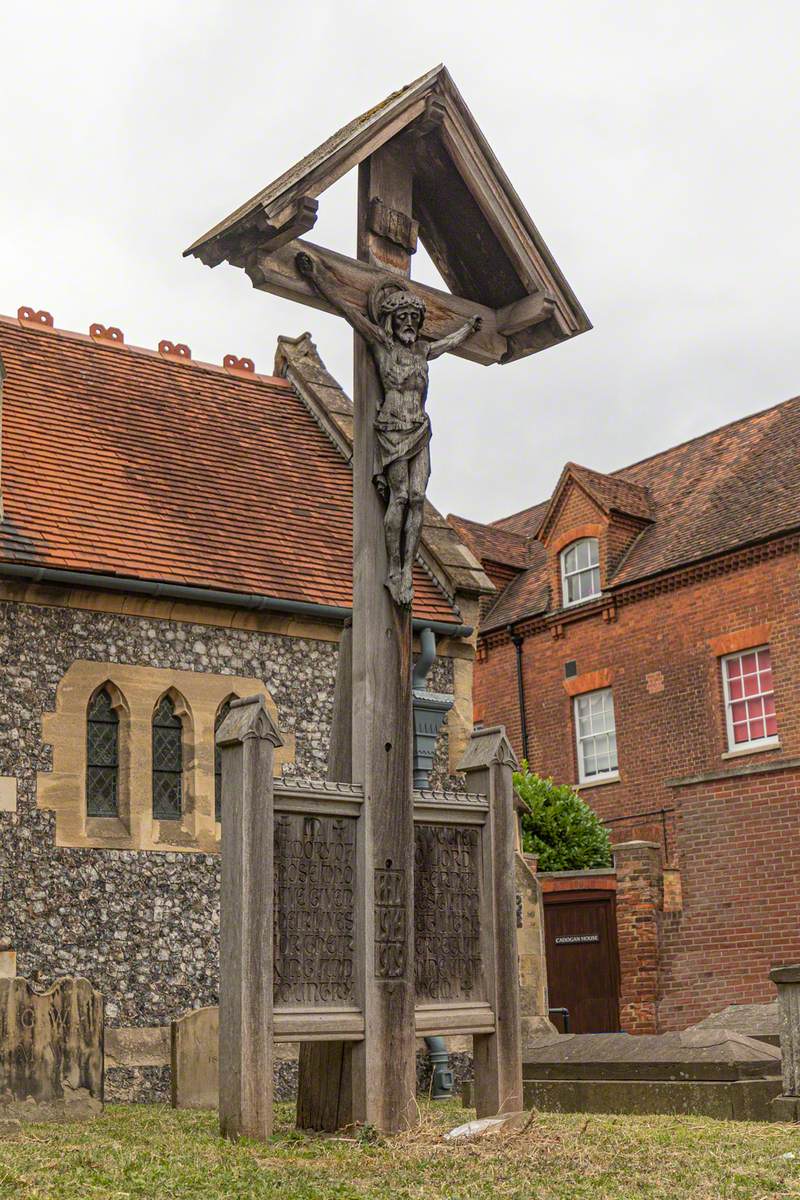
[{"x": 136, "y": 690}]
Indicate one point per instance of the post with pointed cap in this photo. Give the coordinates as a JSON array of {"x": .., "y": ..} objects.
[
  {"x": 787, "y": 981},
  {"x": 248, "y": 739},
  {"x": 489, "y": 763}
]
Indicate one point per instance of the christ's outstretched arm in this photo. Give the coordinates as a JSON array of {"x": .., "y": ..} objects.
[
  {"x": 320, "y": 279},
  {"x": 453, "y": 340}
]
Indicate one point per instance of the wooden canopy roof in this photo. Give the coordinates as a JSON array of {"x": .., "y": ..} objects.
[{"x": 470, "y": 220}]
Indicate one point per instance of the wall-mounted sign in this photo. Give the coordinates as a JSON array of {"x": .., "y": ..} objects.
[{"x": 571, "y": 938}]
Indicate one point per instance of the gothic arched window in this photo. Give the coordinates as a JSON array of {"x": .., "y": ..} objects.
[
  {"x": 102, "y": 757},
  {"x": 167, "y": 762},
  {"x": 221, "y": 715}
]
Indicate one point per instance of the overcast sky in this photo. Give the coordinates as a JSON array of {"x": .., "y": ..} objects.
[{"x": 656, "y": 146}]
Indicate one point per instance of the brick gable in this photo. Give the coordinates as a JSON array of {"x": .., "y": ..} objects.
[{"x": 731, "y": 488}]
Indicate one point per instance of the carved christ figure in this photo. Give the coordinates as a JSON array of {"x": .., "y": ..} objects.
[{"x": 402, "y": 426}]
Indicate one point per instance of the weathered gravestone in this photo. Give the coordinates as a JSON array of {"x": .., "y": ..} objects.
[
  {"x": 51, "y": 1051},
  {"x": 425, "y": 172},
  {"x": 194, "y": 1059}
]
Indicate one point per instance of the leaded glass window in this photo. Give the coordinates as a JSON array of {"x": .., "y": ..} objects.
[
  {"x": 102, "y": 757},
  {"x": 222, "y": 714},
  {"x": 167, "y": 762}
]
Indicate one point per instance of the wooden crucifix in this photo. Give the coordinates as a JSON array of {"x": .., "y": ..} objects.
[
  {"x": 402, "y": 427},
  {"x": 424, "y": 171}
]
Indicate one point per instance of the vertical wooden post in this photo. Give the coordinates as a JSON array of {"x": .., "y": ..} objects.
[
  {"x": 383, "y": 1065},
  {"x": 489, "y": 764},
  {"x": 248, "y": 739}
]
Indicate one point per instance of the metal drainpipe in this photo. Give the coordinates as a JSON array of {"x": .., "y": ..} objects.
[
  {"x": 518, "y": 639},
  {"x": 438, "y": 1057}
]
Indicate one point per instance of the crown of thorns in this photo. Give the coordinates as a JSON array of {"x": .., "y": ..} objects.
[
  {"x": 388, "y": 297},
  {"x": 398, "y": 300}
]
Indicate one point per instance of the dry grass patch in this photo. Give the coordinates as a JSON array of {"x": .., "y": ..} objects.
[{"x": 150, "y": 1152}]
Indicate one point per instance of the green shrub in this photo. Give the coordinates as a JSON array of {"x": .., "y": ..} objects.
[{"x": 560, "y": 827}]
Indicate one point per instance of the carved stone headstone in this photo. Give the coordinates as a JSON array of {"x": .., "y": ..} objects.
[
  {"x": 195, "y": 1059},
  {"x": 51, "y": 1051}
]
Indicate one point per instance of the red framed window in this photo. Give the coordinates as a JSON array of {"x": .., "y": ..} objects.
[{"x": 749, "y": 699}]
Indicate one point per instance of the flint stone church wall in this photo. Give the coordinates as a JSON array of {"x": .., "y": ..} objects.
[{"x": 141, "y": 926}]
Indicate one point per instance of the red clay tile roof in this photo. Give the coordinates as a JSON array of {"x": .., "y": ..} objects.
[
  {"x": 525, "y": 523},
  {"x": 734, "y": 486},
  {"x": 491, "y": 544},
  {"x": 119, "y": 461},
  {"x": 612, "y": 494}
]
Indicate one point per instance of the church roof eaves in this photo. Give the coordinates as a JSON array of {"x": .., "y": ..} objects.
[{"x": 120, "y": 461}]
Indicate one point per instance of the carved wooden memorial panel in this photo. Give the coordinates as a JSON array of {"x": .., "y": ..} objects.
[
  {"x": 447, "y": 924},
  {"x": 314, "y": 910}
]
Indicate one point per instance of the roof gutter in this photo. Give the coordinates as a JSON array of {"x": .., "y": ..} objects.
[{"x": 203, "y": 595}]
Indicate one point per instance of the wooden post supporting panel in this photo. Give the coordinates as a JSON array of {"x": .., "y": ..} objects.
[
  {"x": 489, "y": 764},
  {"x": 248, "y": 740}
]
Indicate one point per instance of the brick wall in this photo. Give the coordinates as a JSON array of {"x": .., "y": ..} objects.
[
  {"x": 733, "y": 838},
  {"x": 740, "y": 865},
  {"x": 639, "y": 901}
]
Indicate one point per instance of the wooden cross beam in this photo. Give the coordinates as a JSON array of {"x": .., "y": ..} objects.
[{"x": 274, "y": 270}]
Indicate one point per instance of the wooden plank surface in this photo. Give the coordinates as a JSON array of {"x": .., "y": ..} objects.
[{"x": 276, "y": 272}]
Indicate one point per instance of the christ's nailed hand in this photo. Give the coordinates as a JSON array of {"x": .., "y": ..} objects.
[
  {"x": 305, "y": 263},
  {"x": 477, "y": 322}
]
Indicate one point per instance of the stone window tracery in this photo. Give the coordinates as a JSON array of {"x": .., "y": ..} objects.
[
  {"x": 102, "y": 756},
  {"x": 221, "y": 715},
  {"x": 165, "y": 793},
  {"x": 167, "y": 762}
]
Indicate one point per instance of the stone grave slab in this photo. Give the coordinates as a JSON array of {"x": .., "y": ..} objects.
[
  {"x": 715, "y": 1054},
  {"x": 708, "y": 1072},
  {"x": 51, "y": 1051},
  {"x": 759, "y": 1021}
]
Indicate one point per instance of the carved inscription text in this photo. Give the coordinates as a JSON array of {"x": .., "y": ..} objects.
[
  {"x": 390, "y": 923},
  {"x": 314, "y": 933},
  {"x": 447, "y": 924}
]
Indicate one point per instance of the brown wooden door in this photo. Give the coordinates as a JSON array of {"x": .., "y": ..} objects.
[{"x": 582, "y": 959}]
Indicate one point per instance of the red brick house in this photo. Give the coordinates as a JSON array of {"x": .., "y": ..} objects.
[{"x": 643, "y": 645}]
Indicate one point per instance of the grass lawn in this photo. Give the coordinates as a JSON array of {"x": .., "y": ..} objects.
[{"x": 154, "y": 1153}]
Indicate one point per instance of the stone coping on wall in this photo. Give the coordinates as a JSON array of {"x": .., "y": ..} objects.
[{"x": 785, "y": 764}]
